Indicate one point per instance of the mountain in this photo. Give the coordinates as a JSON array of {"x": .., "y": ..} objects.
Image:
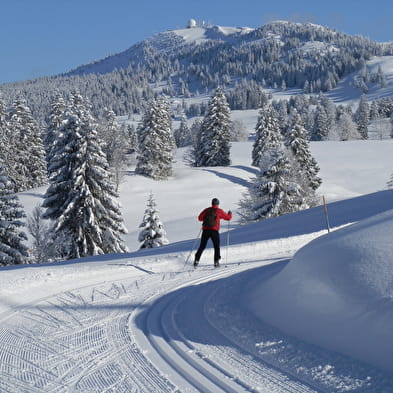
[
  {"x": 288, "y": 39},
  {"x": 188, "y": 64},
  {"x": 166, "y": 43}
]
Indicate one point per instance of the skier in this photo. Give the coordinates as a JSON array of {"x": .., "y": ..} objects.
[{"x": 211, "y": 224}]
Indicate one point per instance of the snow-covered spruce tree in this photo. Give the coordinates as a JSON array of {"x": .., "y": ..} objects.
[
  {"x": 156, "y": 142},
  {"x": 81, "y": 198},
  {"x": 182, "y": 134},
  {"x": 132, "y": 136},
  {"x": 267, "y": 137},
  {"x": 362, "y": 117},
  {"x": 55, "y": 123},
  {"x": 304, "y": 166},
  {"x": 345, "y": 129},
  {"x": 214, "y": 139},
  {"x": 391, "y": 125},
  {"x": 321, "y": 124},
  {"x": 27, "y": 168},
  {"x": 46, "y": 245},
  {"x": 115, "y": 145},
  {"x": 191, "y": 154},
  {"x": 13, "y": 251},
  {"x": 4, "y": 134},
  {"x": 273, "y": 191},
  {"x": 238, "y": 131},
  {"x": 330, "y": 110},
  {"x": 282, "y": 115},
  {"x": 152, "y": 234},
  {"x": 113, "y": 137}
]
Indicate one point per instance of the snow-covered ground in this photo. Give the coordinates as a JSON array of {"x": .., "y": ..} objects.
[{"x": 292, "y": 309}]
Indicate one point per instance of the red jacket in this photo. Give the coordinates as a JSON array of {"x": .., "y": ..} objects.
[{"x": 219, "y": 214}]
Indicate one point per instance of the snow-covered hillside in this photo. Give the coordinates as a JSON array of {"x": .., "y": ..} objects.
[
  {"x": 165, "y": 42},
  {"x": 196, "y": 34},
  {"x": 347, "y": 93},
  {"x": 293, "y": 308}
]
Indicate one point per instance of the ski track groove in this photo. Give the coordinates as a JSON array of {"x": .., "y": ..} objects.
[
  {"x": 113, "y": 337},
  {"x": 170, "y": 339},
  {"x": 270, "y": 378},
  {"x": 84, "y": 352}
]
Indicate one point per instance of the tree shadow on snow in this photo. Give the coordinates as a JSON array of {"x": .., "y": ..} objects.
[
  {"x": 231, "y": 178},
  {"x": 252, "y": 170}
]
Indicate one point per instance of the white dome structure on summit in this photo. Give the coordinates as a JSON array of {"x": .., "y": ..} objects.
[{"x": 191, "y": 23}]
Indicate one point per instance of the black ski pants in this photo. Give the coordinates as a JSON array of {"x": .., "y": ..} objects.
[{"x": 215, "y": 237}]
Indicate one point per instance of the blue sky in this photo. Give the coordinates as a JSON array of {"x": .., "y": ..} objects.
[{"x": 47, "y": 37}]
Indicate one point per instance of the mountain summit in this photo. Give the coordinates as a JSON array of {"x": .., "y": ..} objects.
[{"x": 166, "y": 42}]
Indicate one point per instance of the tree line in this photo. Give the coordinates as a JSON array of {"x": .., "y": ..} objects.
[
  {"x": 277, "y": 55},
  {"x": 83, "y": 162}
]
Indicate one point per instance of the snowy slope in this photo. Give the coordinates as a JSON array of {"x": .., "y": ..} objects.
[
  {"x": 339, "y": 292},
  {"x": 200, "y": 34},
  {"x": 146, "y": 321},
  {"x": 346, "y": 93},
  {"x": 165, "y": 42}
]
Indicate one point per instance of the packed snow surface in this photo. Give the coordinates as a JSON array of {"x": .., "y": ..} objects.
[
  {"x": 292, "y": 308},
  {"x": 339, "y": 292},
  {"x": 204, "y": 33}
]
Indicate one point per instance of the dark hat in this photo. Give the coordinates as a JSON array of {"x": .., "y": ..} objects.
[{"x": 215, "y": 201}]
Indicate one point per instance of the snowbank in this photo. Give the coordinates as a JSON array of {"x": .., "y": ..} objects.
[{"x": 337, "y": 292}]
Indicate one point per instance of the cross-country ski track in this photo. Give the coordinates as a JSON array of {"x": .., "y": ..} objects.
[{"x": 166, "y": 330}]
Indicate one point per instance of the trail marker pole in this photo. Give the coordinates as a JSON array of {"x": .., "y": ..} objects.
[{"x": 326, "y": 214}]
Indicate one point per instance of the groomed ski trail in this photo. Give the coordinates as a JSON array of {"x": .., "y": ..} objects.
[
  {"x": 90, "y": 339},
  {"x": 172, "y": 331},
  {"x": 214, "y": 364}
]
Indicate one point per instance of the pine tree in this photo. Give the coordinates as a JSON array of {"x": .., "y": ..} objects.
[
  {"x": 56, "y": 119},
  {"x": 330, "y": 110},
  {"x": 305, "y": 168},
  {"x": 152, "y": 234},
  {"x": 81, "y": 198},
  {"x": 214, "y": 138},
  {"x": 183, "y": 134},
  {"x": 114, "y": 145},
  {"x": 132, "y": 137},
  {"x": 374, "y": 112},
  {"x": 27, "y": 169},
  {"x": 113, "y": 141},
  {"x": 4, "y": 134},
  {"x": 345, "y": 129},
  {"x": 191, "y": 155},
  {"x": 362, "y": 117},
  {"x": 282, "y": 116},
  {"x": 46, "y": 245},
  {"x": 156, "y": 142},
  {"x": 391, "y": 125},
  {"x": 267, "y": 137},
  {"x": 273, "y": 191},
  {"x": 321, "y": 124},
  {"x": 12, "y": 249}
]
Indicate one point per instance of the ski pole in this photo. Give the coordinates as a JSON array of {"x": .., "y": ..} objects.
[
  {"x": 193, "y": 246},
  {"x": 226, "y": 256}
]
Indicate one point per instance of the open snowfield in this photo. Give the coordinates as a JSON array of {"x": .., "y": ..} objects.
[{"x": 292, "y": 309}]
